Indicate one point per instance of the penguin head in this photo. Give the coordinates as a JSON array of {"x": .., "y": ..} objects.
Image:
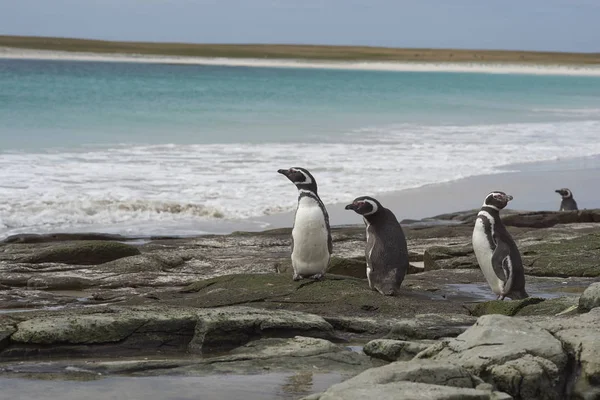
[
  {"x": 301, "y": 178},
  {"x": 497, "y": 200},
  {"x": 565, "y": 193},
  {"x": 364, "y": 205}
]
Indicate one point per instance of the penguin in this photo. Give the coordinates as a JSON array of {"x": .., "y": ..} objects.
[
  {"x": 496, "y": 251},
  {"x": 568, "y": 203},
  {"x": 311, "y": 234},
  {"x": 386, "y": 250}
]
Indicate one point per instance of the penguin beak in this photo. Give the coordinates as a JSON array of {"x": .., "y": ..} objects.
[
  {"x": 559, "y": 191},
  {"x": 283, "y": 171},
  {"x": 351, "y": 206},
  {"x": 509, "y": 197}
]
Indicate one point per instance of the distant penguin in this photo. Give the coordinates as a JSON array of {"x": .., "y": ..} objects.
[
  {"x": 496, "y": 251},
  {"x": 568, "y": 203},
  {"x": 311, "y": 234},
  {"x": 386, "y": 251}
]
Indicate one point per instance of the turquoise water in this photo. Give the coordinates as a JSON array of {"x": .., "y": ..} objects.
[{"x": 115, "y": 145}]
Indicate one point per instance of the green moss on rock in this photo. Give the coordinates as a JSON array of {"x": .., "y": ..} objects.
[
  {"x": 504, "y": 307},
  {"x": 573, "y": 257},
  {"x": 82, "y": 253}
]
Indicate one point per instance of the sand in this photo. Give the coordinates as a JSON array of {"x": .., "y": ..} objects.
[{"x": 532, "y": 186}]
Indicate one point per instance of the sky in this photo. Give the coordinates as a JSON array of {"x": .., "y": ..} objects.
[{"x": 546, "y": 25}]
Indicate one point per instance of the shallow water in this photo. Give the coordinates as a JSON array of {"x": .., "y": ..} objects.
[{"x": 222, "y": 387}]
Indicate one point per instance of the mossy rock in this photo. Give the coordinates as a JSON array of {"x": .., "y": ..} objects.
[
  {"x": 82, "y": 253},
  {"x": 355, "y": 267},
  {"x": 555, "y": 306},
  {"x": 332, "y": 296},
  {"x": 503, "y": 307},
  {"x": 572, "y": 257},
  {"x": 441, "y": 257}
]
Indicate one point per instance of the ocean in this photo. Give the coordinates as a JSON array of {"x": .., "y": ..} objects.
[{"x": 150, "y": 148}]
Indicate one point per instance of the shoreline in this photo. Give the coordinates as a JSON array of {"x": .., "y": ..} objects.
[
  {"x": 531, "y": 184},
  {"x": 488, "y": 67}
]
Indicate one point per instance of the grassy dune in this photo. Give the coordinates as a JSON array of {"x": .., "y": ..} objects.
[{"x": 306, "y": 52}]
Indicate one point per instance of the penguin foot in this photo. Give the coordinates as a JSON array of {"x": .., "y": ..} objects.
[
  {"x": 297, "y": 277},
  {"x": 317, "y": 277},
  {"x": 500, "y": 297}
]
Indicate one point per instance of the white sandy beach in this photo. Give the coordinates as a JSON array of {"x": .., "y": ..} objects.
[{"x": 489, "y": 68}]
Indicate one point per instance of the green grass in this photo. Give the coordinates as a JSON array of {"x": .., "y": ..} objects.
[{"x": 305, "y": 52}]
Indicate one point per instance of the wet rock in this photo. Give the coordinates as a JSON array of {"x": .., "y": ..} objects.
[
  {"x": 449, "y": 258},
  {"x": 61, "y": 237},
  {"x": 414, "y": 380},
  {"x": 394, "y": 350},
  {"x": 573, "y": 257},
  {"x": 546, "y": 219},
  {"x": 430, "y": 326},
  {"x": 590, "y": 298},
  {"x": 124, "y": 330},
  {"x": 82, "y": 253},
  {"x": 410, "y": 391},
  {"x": 514, "y": 355},
  {"x": 503, "y": 307},
  {"x": 334, "y": 296},
  {"x": 579, "y": 336}
]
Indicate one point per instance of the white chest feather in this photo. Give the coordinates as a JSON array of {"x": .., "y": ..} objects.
[
  {"x": 483, "y": 252},
  {"x": 311, "y": 252}
]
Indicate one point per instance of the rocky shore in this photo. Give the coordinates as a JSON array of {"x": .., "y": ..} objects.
[{"x": 94, "y": 306}]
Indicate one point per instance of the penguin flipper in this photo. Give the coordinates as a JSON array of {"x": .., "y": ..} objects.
[{"x": 502, "y": 264}]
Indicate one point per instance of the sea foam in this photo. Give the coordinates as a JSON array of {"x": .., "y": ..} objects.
[{"x": 154, "y": 186}]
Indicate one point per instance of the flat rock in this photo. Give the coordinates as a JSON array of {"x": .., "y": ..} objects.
[
  {"x": 572, "y": 257},
  {"x": 409, "y": 391},
  {"x": 122, "y": 330},
  {"x": 394, "y": 350},
  {"x": 334, "y": 296},
  {"x": 590, "y": 297},
  {"x": 516, "y": 356},
  {"x": 503, "y": 307},
  {"x": 546, "y": 219},
  {"x": 81, "y": 253},
  {"x": 430, "y": 326},
  {"x": 420, "y": 379},
  {"x": 446, "y": 257}
]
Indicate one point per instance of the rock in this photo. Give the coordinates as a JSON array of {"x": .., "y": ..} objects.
[
  {"x": 124, "y": 330},
  {"x": 439, "y": 257},
  {"x": 558, "y": 306},
  {"x": 409, "y": 391},
  {"x": 394, "y": 350},
  {"x": 516, "y": 356},
  {"x": 61, "y": 237},
  {"x": 334, "y": 296},
  {"x": 547, "y": 219},
  {"x": 590, "y": 298},
  {"x": 573, "y": 257},
  {"x": 414, "y": 380},
  {"x": 355, "y": 267},
  {"x": 430, "y": 326},
  {"x": 580, "y": 337},
  {"x": 82, "y": 253},
  {"x": 504, "y": 307}
]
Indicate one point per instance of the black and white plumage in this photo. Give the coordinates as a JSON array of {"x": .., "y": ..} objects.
[
  {"x": 311, "y": 234},
  {"x": 568, "y": 203},
  {"x": 496, "y": 251},
  {"x": 386, "y": 251}
]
